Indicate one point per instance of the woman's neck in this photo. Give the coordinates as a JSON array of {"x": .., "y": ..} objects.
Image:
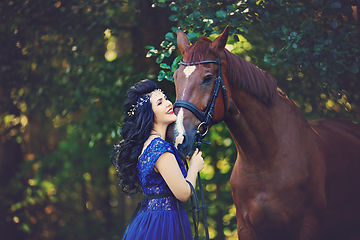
[
  {"x": 158, "y": 132},
  {"x": 155, "y": 135}
]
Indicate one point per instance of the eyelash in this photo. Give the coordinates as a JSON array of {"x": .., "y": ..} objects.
[{"x": 161, "y": 100}]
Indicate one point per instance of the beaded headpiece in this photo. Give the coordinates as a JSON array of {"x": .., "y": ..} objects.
[{"x": 141, "y": 101}]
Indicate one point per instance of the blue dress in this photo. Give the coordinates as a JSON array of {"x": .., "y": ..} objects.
[{"x": 159, "y": 219}]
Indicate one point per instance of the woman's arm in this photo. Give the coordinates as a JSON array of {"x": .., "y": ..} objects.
[{"x": 169, "y": 169}]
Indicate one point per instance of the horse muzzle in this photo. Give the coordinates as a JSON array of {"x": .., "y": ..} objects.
[{"x": 183, "y": 141}]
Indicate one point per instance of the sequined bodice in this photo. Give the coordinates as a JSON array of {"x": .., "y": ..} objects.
[{"x": 152, "y": 181}]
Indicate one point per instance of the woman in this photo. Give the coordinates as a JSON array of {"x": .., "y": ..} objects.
[{"x": 146, "y": 163}]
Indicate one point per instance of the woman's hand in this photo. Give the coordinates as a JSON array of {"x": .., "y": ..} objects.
[{"x": 197, "y": 161}]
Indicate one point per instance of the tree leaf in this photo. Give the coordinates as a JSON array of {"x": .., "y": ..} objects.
[
  {"x": 152, "y": 53},
  {"x": 164, "y": 66},
  {"x": 192, "y": 37},
  {"x": 160, "y": 58},
  {"x": 161, "y": 75},
  {"x": 174, "y": 18},
  {"x": 169, "y": 77},
  {"x": 169, "y": 36},
  {"x": 221, "y": 14},
  {"x": 175, "y": 64}
]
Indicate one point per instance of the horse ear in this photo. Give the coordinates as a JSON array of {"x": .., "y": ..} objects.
[
  {"x": 218, "y": 45},
  {"x": 182, "y": 42}
]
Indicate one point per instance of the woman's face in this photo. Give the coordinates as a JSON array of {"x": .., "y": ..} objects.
[{"x": 162, "y": 108}]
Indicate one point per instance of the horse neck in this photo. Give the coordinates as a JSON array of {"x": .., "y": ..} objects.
[{"x": 258, "y": 130}]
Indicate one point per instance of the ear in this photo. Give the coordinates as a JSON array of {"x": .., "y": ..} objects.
[
  {"x": 182, "y": 42},
  {"x": 218, "y": 45}
]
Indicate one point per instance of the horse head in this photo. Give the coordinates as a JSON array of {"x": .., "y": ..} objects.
[{"x": 196, "y": 82}]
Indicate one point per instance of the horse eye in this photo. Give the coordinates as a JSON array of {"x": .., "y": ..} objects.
[{"x": 207, "y": 78}]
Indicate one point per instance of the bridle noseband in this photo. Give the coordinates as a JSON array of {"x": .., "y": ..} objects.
[{"x": 206, "y": 117}]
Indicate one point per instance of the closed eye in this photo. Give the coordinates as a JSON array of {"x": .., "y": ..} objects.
[
  {"x": 160, "y": 100},
  {"x": 207, "y": 79}
]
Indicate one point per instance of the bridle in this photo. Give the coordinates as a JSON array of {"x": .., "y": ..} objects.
[{"x": 206, "y": 117}]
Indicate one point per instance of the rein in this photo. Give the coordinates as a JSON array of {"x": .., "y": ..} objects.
[{"x": 205, "y": 119}]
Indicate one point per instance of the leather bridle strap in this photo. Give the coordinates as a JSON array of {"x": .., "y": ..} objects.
[
  {"x": 198, "y": 63},
  {"x": 185, "y": 104}
]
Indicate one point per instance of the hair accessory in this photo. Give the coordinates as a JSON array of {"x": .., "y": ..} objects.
[{"x": 141, "y": 101}]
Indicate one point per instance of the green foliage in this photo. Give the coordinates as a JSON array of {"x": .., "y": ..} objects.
[
  {"x": 60, "y": 105},
  {"x": 319, "y": 39},
  {"x": 64, "y": 69}
]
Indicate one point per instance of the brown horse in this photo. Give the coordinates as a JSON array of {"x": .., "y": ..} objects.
[{"x": 292, "y": 179}]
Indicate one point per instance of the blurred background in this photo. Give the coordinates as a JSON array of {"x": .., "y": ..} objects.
[{"x": 65, "y": 67}]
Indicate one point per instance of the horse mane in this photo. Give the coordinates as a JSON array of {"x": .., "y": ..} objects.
[
  {"x": 252, "y": 79},
  {"x": 242, "y": 74}
]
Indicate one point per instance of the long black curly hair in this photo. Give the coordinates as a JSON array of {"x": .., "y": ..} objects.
[{"x": 135, "y": 131}]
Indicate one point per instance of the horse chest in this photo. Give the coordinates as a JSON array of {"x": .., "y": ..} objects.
[
  {"x": 265, "y": 209},
  {"x": 267, "y": 216},
  {"x": 261, "y": 208}
]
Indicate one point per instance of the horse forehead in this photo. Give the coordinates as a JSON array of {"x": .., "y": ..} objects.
[
  {"x": 188, "y": 70},
  {"x": 188, "y": 74},
  {"x": 183, "y": 82}
]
